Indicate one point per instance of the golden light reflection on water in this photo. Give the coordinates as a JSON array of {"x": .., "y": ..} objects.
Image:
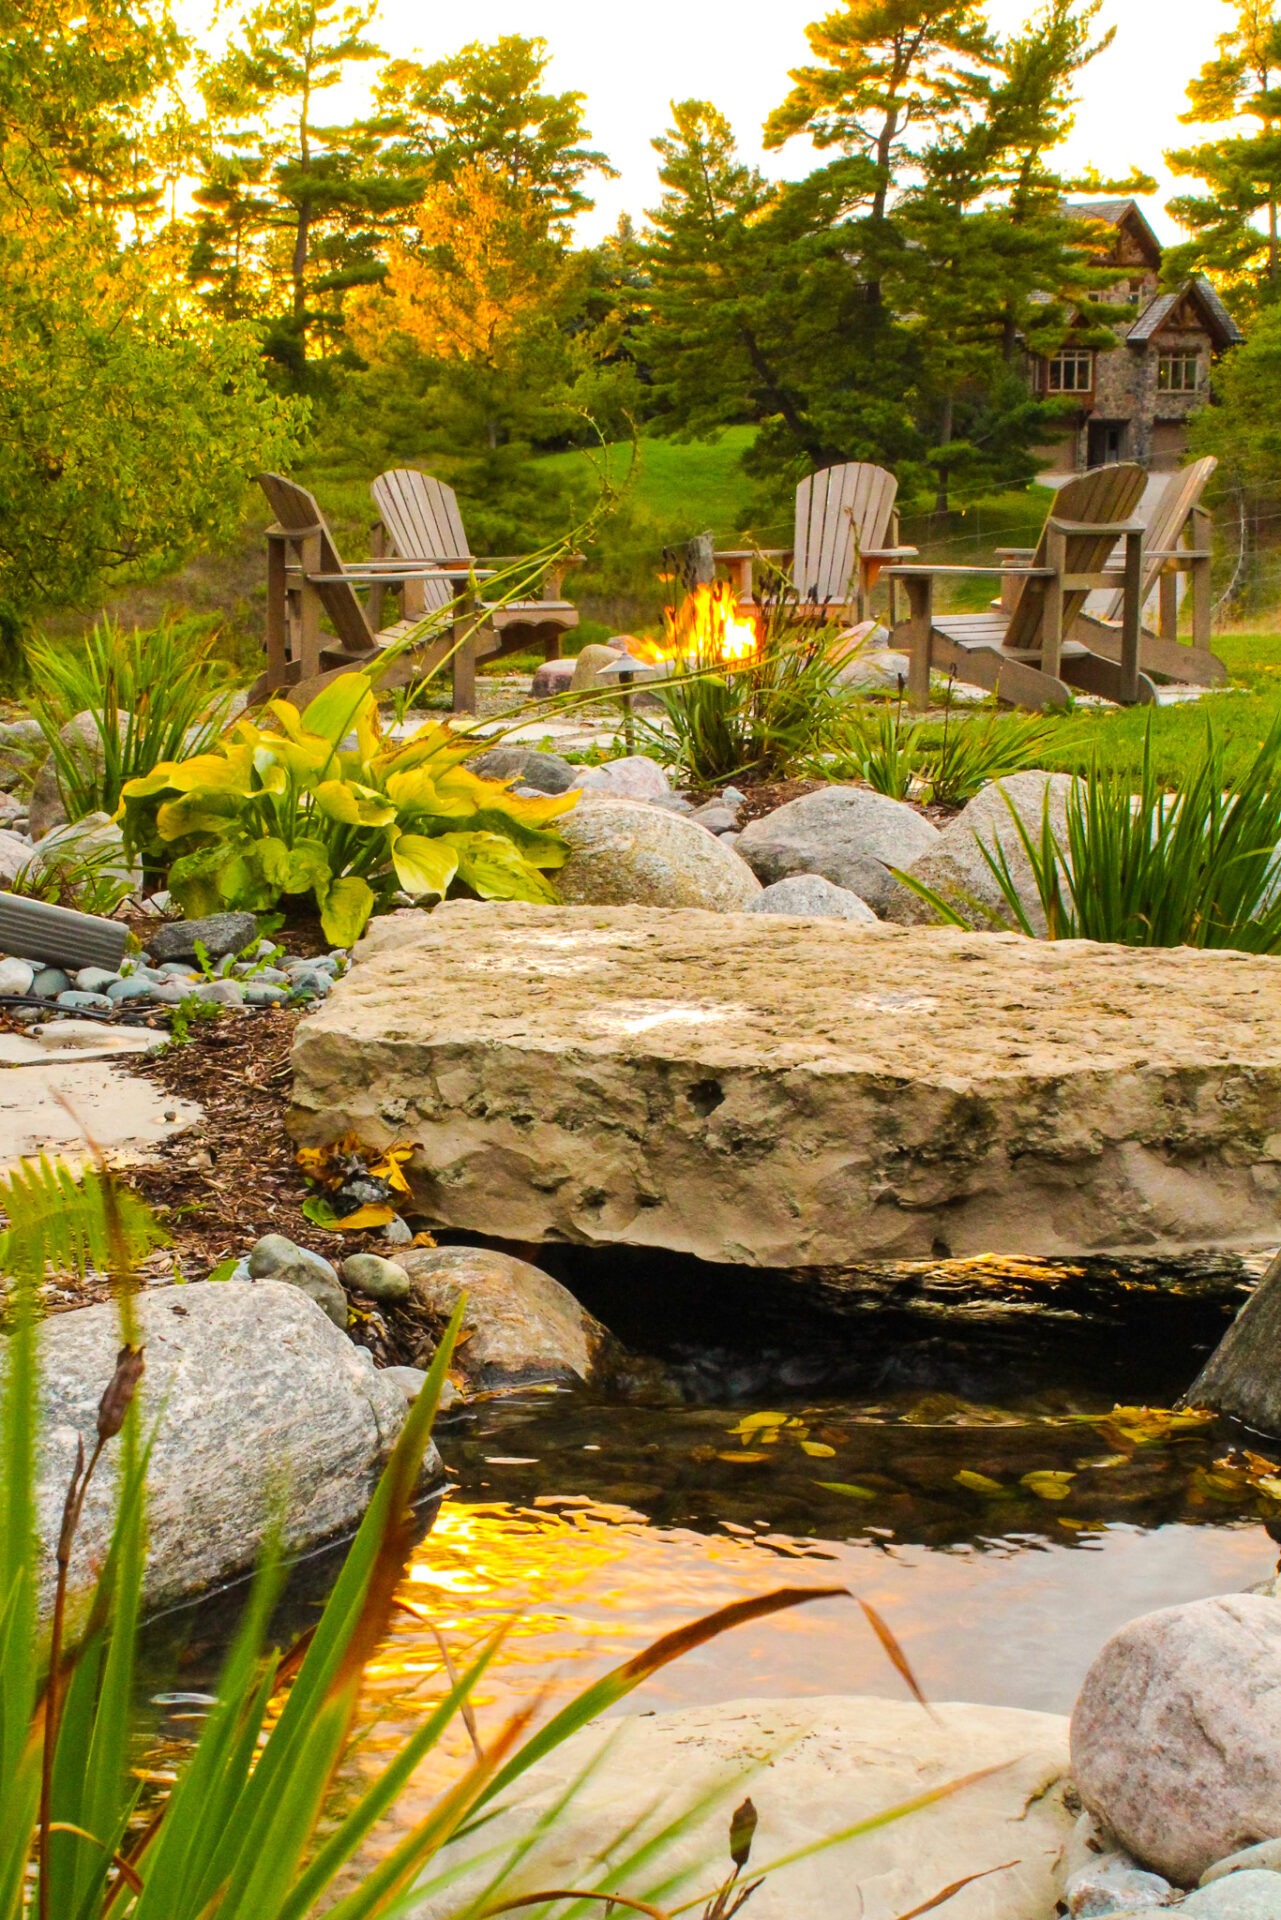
[{"x": 583, "y": 1585}]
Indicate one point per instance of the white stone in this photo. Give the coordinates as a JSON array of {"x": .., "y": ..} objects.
[
  {"x": 15, "y": 854},
  {"x": 813, "y": 1768},
  {"x": 623, "y": 853},
  {"x": 810, "y": 894},
  {"x": 851, "y": 836},
  {"x": 16, "y": 976},
  {"x": 635, "y": 776}
]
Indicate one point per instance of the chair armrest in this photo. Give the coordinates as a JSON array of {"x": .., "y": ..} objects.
[
  {"x": 1015, "y": 553},
  {"x": 1177, "y": 553},
  {"x": 388, "y": 576},
  {"x": 927, "y": 572},
  {"x": 888, "y": 553},
  {"x": 1114, "y": 527},
  {"x": 752, "y": 553}
]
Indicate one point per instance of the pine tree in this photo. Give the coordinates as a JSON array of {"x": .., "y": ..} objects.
[
  {"x": 291, "y": 209},
  {"x": 486, "y": 106},
  {"x": 1234, "y": 224}
]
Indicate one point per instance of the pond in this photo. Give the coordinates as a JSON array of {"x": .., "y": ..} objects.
[{"x": 969, "y": 1453}]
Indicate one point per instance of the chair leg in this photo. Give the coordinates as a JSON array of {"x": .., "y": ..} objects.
[
  {"x": 916, "y": 635},
  {"x": 277, "y": 614}
]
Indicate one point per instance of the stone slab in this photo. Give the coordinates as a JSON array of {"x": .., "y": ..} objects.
[
  {"x": 813, "y": 1768},
  {"x": 59, "y": 1091},
  {"x": 788, "y": 1092}
]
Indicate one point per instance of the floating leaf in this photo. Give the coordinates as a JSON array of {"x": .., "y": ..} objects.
[
  {"x": 849, "y": 1488},
  {"x": 753, "y": 1423},
  {"x": 1048, "y": 1485},
  {"x": 817, "y": 1449},
  {"x": 977, "y": 1482},
  {"x": 738, "y": 1459},
  {"x": 1149, "y": 1426}
]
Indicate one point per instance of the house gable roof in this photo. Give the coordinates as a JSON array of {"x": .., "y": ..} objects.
[
  {"x": 1218, "y": 322},
  {"x": 1122, "y": 213}
]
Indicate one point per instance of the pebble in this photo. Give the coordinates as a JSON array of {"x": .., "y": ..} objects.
[
  {"x": 312, "y": 984},
  {"x": 717, "y": 820},
  {"x": 85, "y": 1002},
  {"x": 1252, "y": 1895},
  {"x": 220, "y": 933},
  {"x": 135, "y": 988},
  {"x": 1113, "y": 1885},
  {"x": 95, "y": 979},
  {"x": 398, "y": 1233},
  {"x": 223, "y": 993},
  {"x": 175, "y": 970},
  {"x": 263, "y": 993},
  {"x": 1266, "y": 1853},
  {"x": 275, "y": 1257},
  {"x": 50, "y": 982},
  {"x": 16, "y": 976},
  {"x": 731, "y": 797},
  {"x": 380, "y": 1279},
  {"x": 265, "y": 976}
]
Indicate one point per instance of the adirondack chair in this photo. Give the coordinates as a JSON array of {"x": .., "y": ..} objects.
[
  {"x": 1177, "y": 541},
  {"x": 1024, "y": 654},
  {"x": 307, "y": 581},
  {"x": 418, "y": 519},
  {"x": 846, "y": 532}
]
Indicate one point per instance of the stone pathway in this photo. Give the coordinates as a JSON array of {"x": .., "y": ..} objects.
[{"x": 59, "y": 1092}]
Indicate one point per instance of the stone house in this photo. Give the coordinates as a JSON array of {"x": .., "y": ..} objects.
[{"x": 1134, "y": 399}]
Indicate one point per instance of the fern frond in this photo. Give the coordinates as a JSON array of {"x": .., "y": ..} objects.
[{"x": 69, "y": 1221}]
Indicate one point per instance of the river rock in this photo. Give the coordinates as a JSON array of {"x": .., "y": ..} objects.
[
  {"x": 276, "y": 1258},
  {"x": 218, "y": 934},
  {"x": 1266, "y": 1854},
  {"x": 1176, "y": 1735},
  {"x": 812, "y": 1767},
  {"x": 955, "y": 869},
  {"x": 635, "y": 776},
  {"x": 22, "y": 748},
  {"x": 587, "y": 667},
  {"x": 83, "y": 736},
  {"x": 624, "y": 853},
  {"x": 522, "y": 1326},
  {"x": 1114, "y": 1886},
  {"x": 16, "y": 976},
  {"x": 1242, "y": 1896},
  {"x": 15, "y": 853},
  {"x": 545, "y": 772},
  {"x": 380, "y": 1279},
  {"x": 763, "y": 1091},
  {"x": 810, "y": 894},
  {"x": 1241, "y": 1376},
  {"x": 255, "y": 1394},
  {"x": 553, "y": 677},
  {"x": 848, "y": 834}
]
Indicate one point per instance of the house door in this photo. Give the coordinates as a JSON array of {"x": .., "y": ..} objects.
[{"x": 1105, "y": 442}]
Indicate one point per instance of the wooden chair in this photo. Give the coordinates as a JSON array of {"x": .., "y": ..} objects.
[
  {"x": 1178, "y": 540},
  {"x": 418, "y": 519},
  {"x": 1023, "y": 652},
  {"x": 846, "y": 532},
  {"x": 307, "y": 582}
]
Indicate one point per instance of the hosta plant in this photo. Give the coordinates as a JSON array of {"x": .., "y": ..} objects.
[{"x": 323, "y": 803}]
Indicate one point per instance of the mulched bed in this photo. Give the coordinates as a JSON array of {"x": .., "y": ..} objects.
[{"x": 223, "y": 1183}]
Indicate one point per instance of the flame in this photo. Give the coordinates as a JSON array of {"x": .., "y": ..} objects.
[{"x": 708, "y": 627}]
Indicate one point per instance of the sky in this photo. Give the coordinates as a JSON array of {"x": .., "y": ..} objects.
[{"x": 632, "y": 60}]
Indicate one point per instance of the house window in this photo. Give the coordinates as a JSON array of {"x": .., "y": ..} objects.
[
  {"x": 1070, "y": 372},
  {"x": 1178, "y": 373}
]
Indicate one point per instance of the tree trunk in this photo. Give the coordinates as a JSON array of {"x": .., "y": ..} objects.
[
  {"x": 784, "y": 403},
  {"x": 1242, "y": 1377}
]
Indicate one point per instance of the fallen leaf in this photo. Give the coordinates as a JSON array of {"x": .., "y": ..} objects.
[
  {"x": 1048, "y": 1485},
  {"x": 977, "y": 1482},
  {"x": 818, "y": 1450},
  {"x": 847, "y": 1487},
  {"x": 739, "y": 1459}
]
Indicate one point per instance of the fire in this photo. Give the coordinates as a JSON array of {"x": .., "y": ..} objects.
[{"x": 708, "y": 627}]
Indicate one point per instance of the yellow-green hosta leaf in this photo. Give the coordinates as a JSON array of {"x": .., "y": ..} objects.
[
  {"x": 307, "y": 867},
  {"x": 147, "y": 784},
  {"x": 535, "y": 809},
  {"x": 354, "y": 805},
  {"x": 309, "y": 760},
  {"x": 345, "y": 909},
  {"x": 289, "y": 717},
  {"x": 272, "y": 858},
  {"x": 202, "y": 812},
  {"x": 343, "y": 704},
  {"x": 230, "y": 770},
  {"x": 434, "y": 741},
  {"x": 415, "y": 792},
  {"x": 496, "y": 869},
  {"x": 272, "y": 777},
  {"x": 423, "y": 865},
  {"x": 539, "y": 848}
]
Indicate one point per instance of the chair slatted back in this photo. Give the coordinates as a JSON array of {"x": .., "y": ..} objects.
[
  {"x": 1181, "y": 493},
  {"x": 1105, "y": 495},
  {"x": 840, "y": 513},
  {"x": 422, "y": 520},
  {"x": 298, "y": 512}
]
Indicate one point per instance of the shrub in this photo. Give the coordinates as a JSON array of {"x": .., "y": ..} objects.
[
  {"x": 154, "y": 695},
  {"x": 1153, "y": 869},
  {"x": 292, "y": 810},
  {"x": 914, "y": 758}
]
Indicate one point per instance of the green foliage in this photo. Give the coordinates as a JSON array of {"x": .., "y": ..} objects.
[
  {"x": 292, "y": 810},
  {"x": 770, "y": 716},
  {"x": 1243, "y": 428},
  {"x": 1152, "y": 869},
  {"x": 153, "y": 696},
  {"x": 75, "y": 873},
  {"x": 1233, "y": 223},
  {"x": 947, "y": 765}
]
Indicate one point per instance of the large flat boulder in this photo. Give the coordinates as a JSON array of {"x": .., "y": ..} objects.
[
  {"x": 263, "y": 1408},
  {"x": 787, "y": 1092},
  {"x": 812, "y": 1769}
]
